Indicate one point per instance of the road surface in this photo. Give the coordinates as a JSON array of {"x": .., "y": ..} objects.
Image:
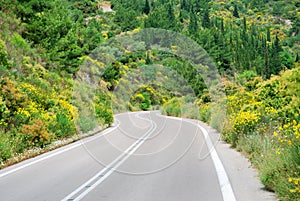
[{"x": 144, "y": 157}]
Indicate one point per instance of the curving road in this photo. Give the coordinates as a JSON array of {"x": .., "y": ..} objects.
[{"x": 144, "y": 157}]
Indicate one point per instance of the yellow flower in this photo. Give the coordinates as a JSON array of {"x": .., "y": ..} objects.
[
  {"x": 275, "y": 133},
  {"x": 290, "y": 179},
  {"x": 296, "y": 181},
  {"x": 278, "y": 153},
  {"x": 286, "y": 126}
]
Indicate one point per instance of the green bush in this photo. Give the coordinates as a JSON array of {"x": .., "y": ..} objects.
[
  {"x": 103, "y": 108},
  {"x": 5, "y": 148},
  {"x": 62, "y": 126},
  {"x": 104, "y": 114},
  {"x": 172, "y": 107}
]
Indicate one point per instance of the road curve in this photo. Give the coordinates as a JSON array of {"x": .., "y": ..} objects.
[{"x": 144, "y": 157}]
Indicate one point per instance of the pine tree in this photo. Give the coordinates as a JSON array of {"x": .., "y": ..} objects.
[
  {"x": 275, "y": 62},
  {"x": 245, "y": 24},
  {"x": 236, "y": 12},
  {"x": 268, "y": 35},
  {"x": 267, "y": 63},
  {"x": 146, "y": 9},
  {"x": 184, "y": 5},
  {"x": 222, "y": 25},
  {"x": 193, "y": 26},
  {"x": 206, "y": 20}
]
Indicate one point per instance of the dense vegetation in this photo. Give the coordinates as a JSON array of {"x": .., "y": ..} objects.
[
  {"x": 41, "y": 48},
  {"x": 253, "y": 43}
]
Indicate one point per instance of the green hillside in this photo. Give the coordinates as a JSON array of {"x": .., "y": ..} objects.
[{"x": 47, "y": 48}]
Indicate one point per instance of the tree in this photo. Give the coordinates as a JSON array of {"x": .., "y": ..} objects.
[
  {"x": 112, "y": 75},
  {"x": 267, "y": 62},
  {"x": 236, "y": 12},
  {"x": 193, "y": 26},
  {"x": 146, "y": 8},
  {"x": 222, "y": 26},
  {"x": 244, "y": 24},
  {"x": 162, "y": 17},
  {"x": 206, "y": 20},
  {"x": 126, "y": 18},
  {"x": 275, "y": 60},
  {"x": 184, "y": 5},
  {"x": 268, "y": 35},
  {"x": 3, "y": 55}
]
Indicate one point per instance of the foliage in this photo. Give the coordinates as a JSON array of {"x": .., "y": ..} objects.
[
  {"x": 103, "y": 108},
  {"x": 263, "y": 122},
  {"x": 36, "y": 134},
  {"x": 43, "y": 44},
  {"x": 173, "y": 108}
]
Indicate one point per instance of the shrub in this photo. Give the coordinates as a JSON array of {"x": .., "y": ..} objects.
[
  {"x": 103, "y": 108},
  {"x": 104, "y": 114},
  {"x": 245, "y": 122},
  {"x": 4, "y": 113},
  {"x": 5, "y": 147},
  {"x": 63, "y": 125},
  {"x": 3, "y": 55},
  {"x": 172, "y": 107},
  {"x": 36, "y": 134}
]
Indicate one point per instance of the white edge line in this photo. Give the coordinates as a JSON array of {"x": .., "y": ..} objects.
[
  {"x": 225, "y": 185},
  {"x": 224, "y": 182},
  {"x": 56, "y": 153}
]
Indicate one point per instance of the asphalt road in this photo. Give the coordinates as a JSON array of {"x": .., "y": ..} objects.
[{"x": 144, "y": 157}]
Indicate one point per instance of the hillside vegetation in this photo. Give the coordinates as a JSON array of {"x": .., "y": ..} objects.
[{"x": 254, "y": 44}]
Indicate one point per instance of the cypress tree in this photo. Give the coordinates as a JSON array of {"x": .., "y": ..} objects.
[
  {"x": 222, "y": 25},
  {"x": 146, "y": 9},
  {"x": 193, "y": 26},
  {"x": 267, "y": 64},
  {"x": 275, "y": 62},
  {"x": 268, "y": 35},
  {"x": 206, "y": 20},
  {"x": 245, "y": 24},
  {"x": 236, "y": 12},
  {"x": 184, "y": 5}
]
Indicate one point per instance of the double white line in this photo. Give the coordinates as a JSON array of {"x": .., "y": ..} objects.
[{"x": 88, "y": 186}]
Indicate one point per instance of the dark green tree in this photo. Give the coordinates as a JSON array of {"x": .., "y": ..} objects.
[
  {"x": 236, "y": 12},
  {"x": 126, "y": 18},
  {"x": 184, "y": 5},
  {"x": 193, "y": 25},
  {"x": 275, "y": 60},
  {"x": 146, "y": 8},
  {"x": 206, "y": 19},
  {"x": 268, "y": 35},
  {"x": 162, "y": 17}
]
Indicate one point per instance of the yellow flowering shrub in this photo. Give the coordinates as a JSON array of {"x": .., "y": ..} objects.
[
  {"x": 237, "y": 101},
  {"x": 246, "y": 121}
]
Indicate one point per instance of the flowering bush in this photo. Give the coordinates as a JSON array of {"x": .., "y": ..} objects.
[
  {"x": 36, "y": 134},
  {"x": 263, "y": 121},
  {"x": 246, "y": 122}
]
